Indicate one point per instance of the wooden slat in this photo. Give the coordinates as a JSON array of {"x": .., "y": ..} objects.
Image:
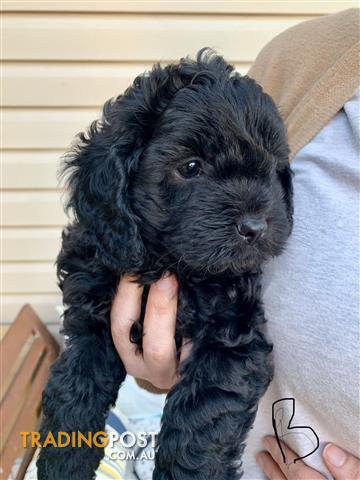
[
  {"x": 16, "y": 392},
  {"x": 20, "y": 405},
  {"x": 139, "y": 37},
  {"x": 46, "y": 305},
  {"x": 196, "y": 6},
  {"x": 29, "y": 278},
  {"x": 84, "y": 85},
  {"x": 32, "y": 209},
  {"x": 11, "y": 345},
  {"x": 27, "y": 323},
  {"x": 28, "y": 418},
  {"x": 30, "y": 170},
  {"x": 25, "y": 129},
  {"x": 30, "y": 245}
]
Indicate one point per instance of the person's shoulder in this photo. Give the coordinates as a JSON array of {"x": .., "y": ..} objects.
[
  {"x": 300, "y": 66},
  {"x": 320, "y": 41}
]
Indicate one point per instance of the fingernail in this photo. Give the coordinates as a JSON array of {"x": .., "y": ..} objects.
[
  {"x": 167, "y": 284},
  {"x": 335, "y": 455}
]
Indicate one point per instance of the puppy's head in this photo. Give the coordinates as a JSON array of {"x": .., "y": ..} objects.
[{"x": 188, "y": 169}]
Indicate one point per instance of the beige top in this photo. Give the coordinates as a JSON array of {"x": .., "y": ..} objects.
[{"x": 310, "y": 70}]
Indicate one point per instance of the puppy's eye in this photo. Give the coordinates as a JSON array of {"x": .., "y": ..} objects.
[{"x": 190, "y": 169}]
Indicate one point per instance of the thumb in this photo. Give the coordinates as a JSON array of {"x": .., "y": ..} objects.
[{"x": 341, "y": 464}]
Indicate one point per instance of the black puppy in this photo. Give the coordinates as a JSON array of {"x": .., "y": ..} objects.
[{"x": 186, "y": 172}]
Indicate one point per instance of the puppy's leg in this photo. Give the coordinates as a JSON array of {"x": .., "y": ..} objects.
[
  {"x": 83, "y": 385},
  {"x": 210, "y": 411},
  {"x": 85, "y": 379}
]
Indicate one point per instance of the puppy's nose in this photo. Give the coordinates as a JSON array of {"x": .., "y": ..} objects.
[{"x": 251, "y": 229}]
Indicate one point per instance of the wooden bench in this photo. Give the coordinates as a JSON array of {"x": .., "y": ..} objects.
[{"x": 26, "y": 353}]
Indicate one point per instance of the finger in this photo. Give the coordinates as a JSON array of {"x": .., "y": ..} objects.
[
  {"x": 341, "y": 464},
  {"x": 269, "y": 467},
  {"x": 184, "y": 353},
  {"x": 185, "y": 349},
  {"x": 289, "y": 468},
  {"x": 159, "y": 331},
  {"x": 125, "y": 310}
]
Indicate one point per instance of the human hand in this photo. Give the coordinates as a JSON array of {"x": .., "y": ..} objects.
[
  {"x": 158, "y": 363},
  {"x": 342, "y": 465}
]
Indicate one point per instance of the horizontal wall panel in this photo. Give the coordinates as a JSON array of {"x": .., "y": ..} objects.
[
  {"x": 196, "y": 6},
  {"x": 136, "y": 37},
  {"x": 47, "y": 306},
  {"x": 25, "y": 129},
  {"x": 32, "y": 209},
  {"x": 35, "y": 244},
  {"x": 29, "y": 278},
  {"x": 66, "y": 84},
  {"x": 69, "y": 85},
  {"x": 30, "y": 170}
]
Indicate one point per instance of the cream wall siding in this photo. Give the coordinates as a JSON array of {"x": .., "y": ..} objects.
[{"x": 61, "y": 61}]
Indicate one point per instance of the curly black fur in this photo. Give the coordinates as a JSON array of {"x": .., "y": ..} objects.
[{"x": 134, "y": 212}]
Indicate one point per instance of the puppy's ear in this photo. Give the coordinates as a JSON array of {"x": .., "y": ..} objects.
[
  {"x": 285, "y": 175},
  {"x": 270, "y": 131},
  {"x": 98, "y": 170}
]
